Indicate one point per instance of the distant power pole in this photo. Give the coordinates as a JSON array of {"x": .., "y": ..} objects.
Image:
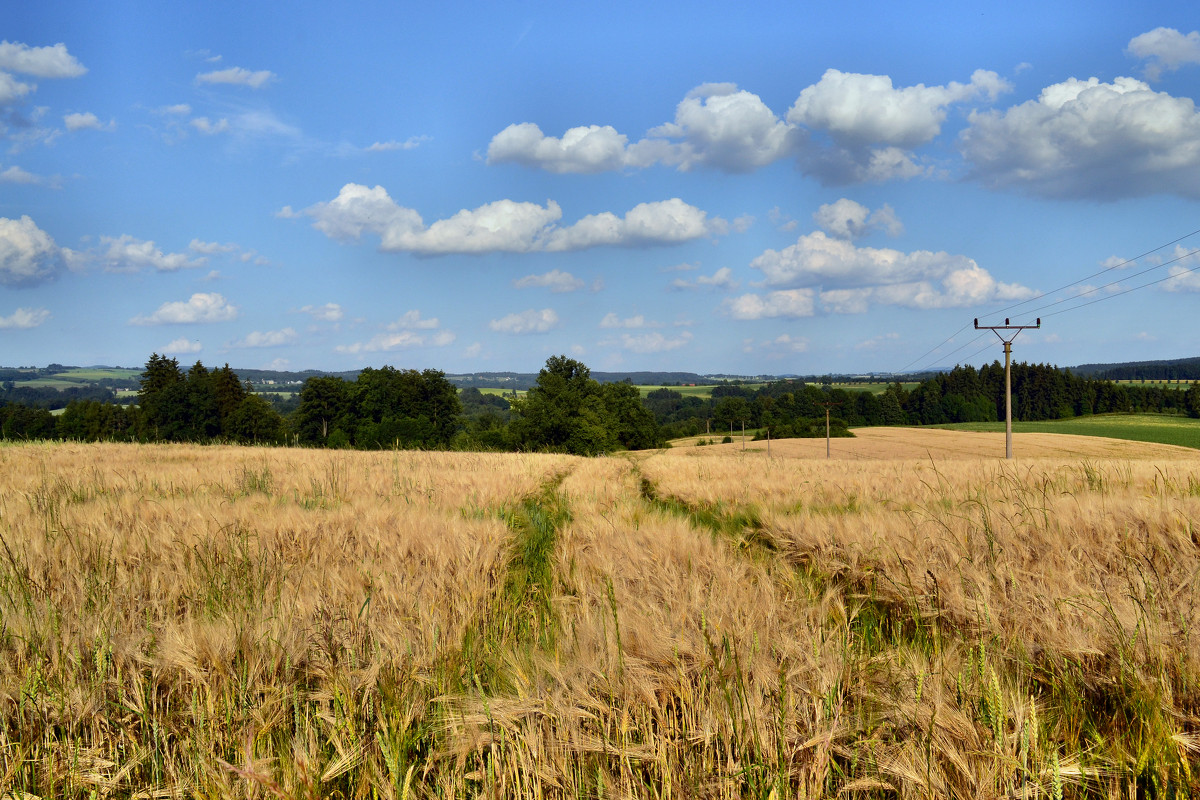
[
  {"x": 828, "y": 405},
  {"x": 1007, "y": 374}
]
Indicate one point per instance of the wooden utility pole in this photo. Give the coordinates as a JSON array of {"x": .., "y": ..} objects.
[
  {"x": 828, "y": 405},
  {"x": 1007, "y": 372}
]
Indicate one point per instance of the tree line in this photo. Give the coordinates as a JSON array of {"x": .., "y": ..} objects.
[
  {"x": 566, "y": 410},
  {"x": 964, "y": 394}
]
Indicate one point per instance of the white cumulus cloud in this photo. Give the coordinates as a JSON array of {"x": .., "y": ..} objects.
[
  {"x": 718, "y": 125},
  {"x": 611, "y": 320},
  {"x": 555, "y": 280},
  {"x": 209, "y": 127},
  {"x": 852, "y": 278},
  {"x": 127, "y": 254},
  {"x": 15, "y": 174},
  {"x": 199, "y": 308},
  {"x": 858, "y": 110},
  {"x": 502, "y": 225},
  {"x": 329, "y": 312},
  {"x": 654, "y": 341},
  {"x": 846, "y": 219},
  {"x": 962, "y": 288},
  {"x": 179, "y": 347},
  {"x": 531, "y": 321},
  {"x": 398, "y": 340},
  {"x": 846, "y": 128},
  {"x": 410, "y": 143},
  {"x": 267, "y": 338},
  {"x": 24, "y": 318},
  {"x": 1089, "y": 140},
  {"x": 237, "y": 76},
  {"x": 42, "y": 62},
  {"x": 788, "y": 303},
  {"x": 657, "y": 223},
  {"x": 721, "y": 279},
  {"x": 816, "y": 258},
  {"x": 412, "y": 320},
  {"x": 588, "y": 149},
  {"x": 781, "y": 346},
  {"x": 87, "y": 121},
  {"x": 28, "y": 255},
  {"x": 211, "y": 248},
  {"x": 1183, "y": 279},
  {"x": 1165, "y": 50},
  {"x": 12, "y": 89}
]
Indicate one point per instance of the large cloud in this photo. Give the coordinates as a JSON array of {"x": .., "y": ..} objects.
[
  {"x": 717, "y": 125},
  {"x": 199, "y": 308},
  {"x": 86, "y": 121},
  {"x": 127, "y": 254},
  {"x": 818, "y": 259},
  {"x": 663, "y": 222},
  {"x": 847, "y": 219},
  {"x": 963, "y": 288},
  {"x": 531, "y": 321},
  {"x": 42, "y": 62},
  {"x": 789, "y": 303},
  {"x": 1088, "y": 139},
  {"x": 24, "y": 318},
  {"x": 593, "y": 148},
  {"x": 28, "y": 255},
  {"x": 852, "y": 278},
  {"x": 12, "y": 89},
  {"x": 865, "y": 110},
  {"x": 503, "y": 225},
  {"x": 865, "y": 129},
  {"x": 1165, "y": 50},
  {"x": 277, "y": 338},
  {"x": 874, "y": 126}
]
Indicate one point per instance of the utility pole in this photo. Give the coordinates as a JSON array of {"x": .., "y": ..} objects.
[
  {"x": 1007, "y": 373},
  {"x": 828, "y": 405}
]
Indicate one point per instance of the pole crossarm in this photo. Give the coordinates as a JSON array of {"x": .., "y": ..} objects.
[
  {"x": 1007, "y": 327},
  {"x": 1008, "y": 451}
]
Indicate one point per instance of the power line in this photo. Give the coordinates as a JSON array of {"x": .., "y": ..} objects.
[
  {"x": 1126, "y": 291},
  {"x": 952, "y": 352},
  {"x": 1120, "y": 265},
  {"x": 1044, "y": 295}
]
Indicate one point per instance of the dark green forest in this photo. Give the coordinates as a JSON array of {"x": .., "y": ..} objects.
[{"x": 566, "y": 410}]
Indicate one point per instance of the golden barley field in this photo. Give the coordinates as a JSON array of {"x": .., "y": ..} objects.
[{"x": 914, "y": 617}]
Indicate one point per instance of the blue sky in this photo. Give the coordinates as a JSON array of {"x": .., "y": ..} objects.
[{"x": 783, "y": 188}]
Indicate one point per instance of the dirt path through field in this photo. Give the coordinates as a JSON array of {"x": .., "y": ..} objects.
[{"x": 924, "y": 443}]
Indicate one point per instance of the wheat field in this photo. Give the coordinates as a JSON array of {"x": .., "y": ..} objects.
[{"x": 911, "y": 618}]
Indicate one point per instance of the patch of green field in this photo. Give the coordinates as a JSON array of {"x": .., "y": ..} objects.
[
  {"x": 78, "y": 377},
  {"x": 703, "y": 390},
  {"x": 83, "y": 374},
  {"x": 873, "y": 388},
  {"x": 507, "y": 393},
  {"x": 1158, "y": 428}
]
